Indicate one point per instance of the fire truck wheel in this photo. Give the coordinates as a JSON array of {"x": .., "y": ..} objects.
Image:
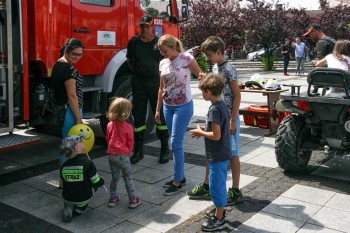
[
  {"x": 122, "y": 88},
  {"x": 290, "y": 136}
]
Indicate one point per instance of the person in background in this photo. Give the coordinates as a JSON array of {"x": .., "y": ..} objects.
[
  {"x": 143, "y": 58},
  {"x": 286, "y": 51},
  {"x": 300, "y": 53},
  {"x": 217, "y": 148},
  {"x": 120, "y": 141},
  {"x": 340, "y": 59},
  {"x": 79, "y": 176},
  {"x": 324, "y": 44},
  {"x": 174, "y": 96},
  {"x": 67, "y": 85},
  {"x": 213, "y": 47}
]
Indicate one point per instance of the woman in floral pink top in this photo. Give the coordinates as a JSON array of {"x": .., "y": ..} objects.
[{"x": 175, "y": 97}]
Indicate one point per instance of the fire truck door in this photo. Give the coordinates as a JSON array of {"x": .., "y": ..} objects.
[
  {"x": 6, "y": 70},
  {"x": 97, "y": 24}
]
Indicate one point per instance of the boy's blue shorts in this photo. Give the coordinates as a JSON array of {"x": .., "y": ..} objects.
[{"x": 217, "y": 182}]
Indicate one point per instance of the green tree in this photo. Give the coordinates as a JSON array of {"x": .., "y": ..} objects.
[
  {"x": 152, "y": 11},
  {"x": 296, "y": 23},
  {"x": 260, "y": 23},
  {"x": 145, "y": 3},
  {"x": 323, "y": 4},
  {"x": 335, "y": 21},
  {"x": 265, "y": 26},
  {"x": 210, "y": 18}
]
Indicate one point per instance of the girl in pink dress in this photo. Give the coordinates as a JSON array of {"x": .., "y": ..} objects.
[{"x": 120, "y": 141}]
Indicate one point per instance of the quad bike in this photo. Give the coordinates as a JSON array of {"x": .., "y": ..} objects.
[{"x": 318, "y": 121}]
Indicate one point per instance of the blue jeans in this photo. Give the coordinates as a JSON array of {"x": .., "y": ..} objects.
[
  {"x": 217, "y": 182},
  {"x": 177, "y": 119},
  {"x": 69, "y": 122},
  {"x": 300, "y": 64},
  {"x": 285, "y": 64}
]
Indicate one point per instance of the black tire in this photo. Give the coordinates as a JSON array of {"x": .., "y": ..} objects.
[
  {"x": 290, "y": 136},
  {"x": 122, "y": 88}
]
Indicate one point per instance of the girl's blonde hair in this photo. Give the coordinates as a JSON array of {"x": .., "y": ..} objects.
[
  {"x": 170, "y": 41},
  {"x": 119, "y": 109},
  {"x": 342, "y": 47}
]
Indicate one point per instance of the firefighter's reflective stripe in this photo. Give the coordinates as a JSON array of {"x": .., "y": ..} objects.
[
  {"x": 79, "y": 204},
  {"x": 95, "y": 179},
  {"x": 73, "y": 167},
  {"x": 73, "y": 173},
  {"x": 162, "y": 127},
  {"x": 139, "y": 129}
]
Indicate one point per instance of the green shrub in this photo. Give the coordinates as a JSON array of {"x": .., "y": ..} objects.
[
  {"x": 268, "y": 62},
  {"x": 202, "y": 63},
  {"x": 200, "y": 58}
]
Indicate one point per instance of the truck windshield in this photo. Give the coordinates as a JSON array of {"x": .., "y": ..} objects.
[
  {"x": 161, "y": 8},
  {"x": 157, "y": 8}
]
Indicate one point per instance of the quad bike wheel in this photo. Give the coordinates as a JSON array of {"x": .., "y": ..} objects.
[{"x": 290, "y": 136}]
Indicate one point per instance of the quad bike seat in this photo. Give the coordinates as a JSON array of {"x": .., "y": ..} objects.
[{"x": 329, "y": 77}]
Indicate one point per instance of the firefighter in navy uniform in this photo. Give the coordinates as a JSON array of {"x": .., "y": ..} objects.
[
  {"x": 143, "y": 59},
  {"x": 79, "y": 175}
]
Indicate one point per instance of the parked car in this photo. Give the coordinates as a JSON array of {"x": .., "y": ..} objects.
[{"x": 257, "y": 55}]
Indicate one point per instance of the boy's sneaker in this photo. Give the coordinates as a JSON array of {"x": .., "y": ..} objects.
[
  {"x": 172, "y": 190},
  {"x": 211, "y": 213},
  {"x": 68, "y": 212},
  {"x": 233, "y": 196},
  {"x": 169, "y": 183},
  {"x": 114, "y": 201},
  {"x": 199, "y": 192},
  {"x": 214, "y": 224},
  {"x": 134, "y": 202}
]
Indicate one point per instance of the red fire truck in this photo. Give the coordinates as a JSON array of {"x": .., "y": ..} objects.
[{"x": 32, "y": 32}]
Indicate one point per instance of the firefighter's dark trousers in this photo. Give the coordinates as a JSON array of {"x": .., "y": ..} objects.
[{"x": 145, "y": 90}]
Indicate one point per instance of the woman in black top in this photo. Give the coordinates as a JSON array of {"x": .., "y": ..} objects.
[
  {"x": 286, "y": 51},
  {"x": 66, "y": 83}
]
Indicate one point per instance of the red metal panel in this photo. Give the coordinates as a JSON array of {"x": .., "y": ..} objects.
[
  {"x": 99, "y": 21},
  {"x": 47, "y": 31},
  {"x": 47, "y": 24},
  {"x": 38, "y": 32},
  {"x": 59, "y": 23},
  {"x": 124, "y": 26},
  {"x": 25, "y": 80},
  {"x": 52, "y": 22}
]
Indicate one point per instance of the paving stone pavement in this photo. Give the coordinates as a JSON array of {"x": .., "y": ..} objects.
[{"x": 316, "y": 200}]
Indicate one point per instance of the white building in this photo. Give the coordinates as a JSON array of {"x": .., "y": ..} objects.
[
  {"x": 307, "y": 5},
  {"x": 333, "y": 3}
]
